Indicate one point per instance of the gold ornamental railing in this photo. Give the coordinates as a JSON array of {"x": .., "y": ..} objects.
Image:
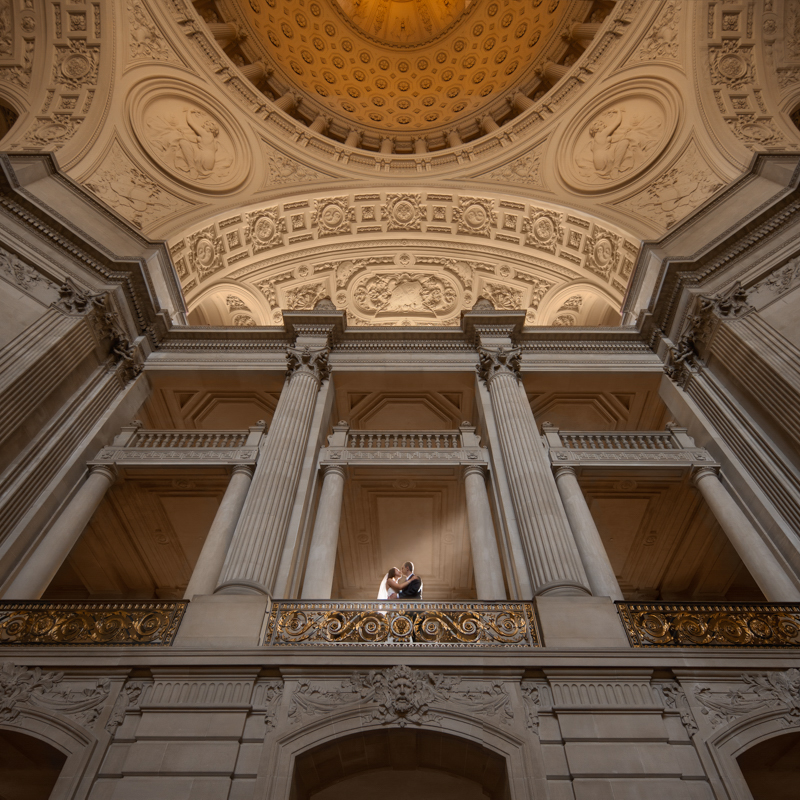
[
  {"x": 404, "y": 624},
  {"x": 90, "y": 623},
  {"x": 749, "y": 625}
]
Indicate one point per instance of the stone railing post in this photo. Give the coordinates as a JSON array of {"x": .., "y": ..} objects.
[
  {"x": 254, "y": 556},
  {"x": 757, "y": 557},
  {"x": 35, "y": 576},
  {"x": 485, "y": 553},
  {"x": 318, "y": 581},
  {"x": 602, "y": 580},
  {"x": 212, "y": 556},
  {"x": 553, "y": 558}
]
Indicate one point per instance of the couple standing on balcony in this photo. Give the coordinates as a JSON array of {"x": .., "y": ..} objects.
[{"x": 401, "y": 584}]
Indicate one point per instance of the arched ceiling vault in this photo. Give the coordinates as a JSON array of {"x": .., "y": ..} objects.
[
  {"x": 180, "y": 118},
  {"x": 400, "y": 257}
]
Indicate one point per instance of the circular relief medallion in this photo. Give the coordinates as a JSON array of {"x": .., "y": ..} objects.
[
  {"x": 264, "y": 230},
  {"x": 616, "y": 139},
  {"x": 603, "y": 251},
  {"x": 544, "y": 230},
  {"x": 194, "y": 142},
  {"x": 75, "y": 67},
  {"x": 404, "y": 211},
  {"x": 475, "y": 216},
  {"x": 732, "y": 66},
  {"x": 332, "y": 216},
  {"x": 204, "y": 252}
]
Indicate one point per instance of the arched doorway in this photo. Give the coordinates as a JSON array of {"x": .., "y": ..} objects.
[
  {"x": 423, "y": 763},
  {"x": 29, "y": 767},
  {"x": 772, "y": 767}
]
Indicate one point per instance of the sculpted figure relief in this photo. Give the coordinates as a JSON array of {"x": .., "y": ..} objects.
[
  {"x": 406, "y": 293},
  {"x": 189, "y": 143},
  {"x": 619, "y": 141}
]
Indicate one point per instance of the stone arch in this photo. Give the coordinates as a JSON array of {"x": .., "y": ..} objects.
[
  {"x": 437, "y": 763},
  {"x": 462, "y": 732},
  {"x": 229, "y": 304},
  {"x": 748, "y": 734},
  {"x": 771, "y": 768},
  {"x": 61, "y": 735},
  {"x": 594, "y": 306}
]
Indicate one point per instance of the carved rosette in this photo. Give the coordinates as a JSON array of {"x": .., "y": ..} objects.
[
  {"x": 404, "y": 212},
  {"x": 264, "y": 229},
  {"x": 543, "y": 229},
  {"x": 205, "y": 252},
  {"x": 602, "y": 251},
  {"x": 311, "y": 361},
  {"x": 499, "y": 361}
]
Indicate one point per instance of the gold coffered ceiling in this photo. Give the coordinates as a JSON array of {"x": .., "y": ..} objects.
[{"x": 392, "y": 68}]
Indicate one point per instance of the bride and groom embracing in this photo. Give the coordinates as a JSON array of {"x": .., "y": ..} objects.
[{"x": 401, "y": 584}]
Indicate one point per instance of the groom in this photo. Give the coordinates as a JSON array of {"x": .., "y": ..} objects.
[{"x": 410, "y": 585}]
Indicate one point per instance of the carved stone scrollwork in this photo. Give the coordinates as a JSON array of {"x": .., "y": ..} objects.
[
  {"x": 311, "y": 361},
  {"x": 761, "y": 692},
  {"x": 401, "y": 696},
  {"x": 499, "y": 361},
  {"x": 675, "y": 700}
]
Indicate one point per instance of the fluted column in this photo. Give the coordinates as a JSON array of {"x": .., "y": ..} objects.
[
  {"x": 602, "y": 580},
  {"x": 488, "y": 124},
  {"x": 521, "y": 102},
  {"x": 387, "y": 145},
  {"x": 353, "y": 139},
  {"x": 50, "y": 553},
  {"x": 553, "y": 558},
  {"x": 254, "y": 72},
  {"x": 254, "y": 555},
  {"x": 554, "y": 72},
  {"x": 223, "y": 32},
  {"x": 318, "y": 580},
  {"x": 286, "y": 102},
  {"x": 584, "y": 31},
  {"x": 454, "y": 139},
  {"x": 420, "y": 146},
  {"x": 212, "y": 556},
  {"x": 319, "y": 125},
  {"x": 757, "y": 557},
  {"x": 485, "y": 553}
]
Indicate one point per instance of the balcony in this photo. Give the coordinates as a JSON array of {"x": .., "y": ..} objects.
[{"x": 402, "y": 624}]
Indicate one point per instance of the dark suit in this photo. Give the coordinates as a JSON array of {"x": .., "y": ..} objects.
[{"x": 412, "y": 590}]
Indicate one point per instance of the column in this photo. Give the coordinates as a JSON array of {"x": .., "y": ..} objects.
[
  {"x": 757, "y": 557},
  {"x": 553, "y": 559},
  {"x": 420, "y": 145},
  {"x": 255, "y": 552},
  {"x": 353, "y": 139},
  {"x": 584, "y": 31},
  {"x": 488, "y": 124},
  {"x": 454, "y": 138},
  {"x": 286, "y": 102},
  {"x": 319, "y": 124},
  {"x": 212, "y": 556},
  {"x": 223, "y": 32},
  {"x": 387, "y": 145},
  {"x": 255, "y": 72},
  {"x": 485, "y": 554},
  {"x": 554, "y": 72},
  {"x": 602, "y": 580},
  {"x": 318, "y": 580},
  {"x": 52, "y": 550},
  {"x": 521, "y": 102}
]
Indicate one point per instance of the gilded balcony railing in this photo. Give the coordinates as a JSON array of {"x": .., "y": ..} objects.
[
  {"x": 750, "y": 625},
  {"x": 45, "y": 622},
  {"x": 407, "y": 624}
]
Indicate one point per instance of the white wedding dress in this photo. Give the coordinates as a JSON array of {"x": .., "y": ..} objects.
[{"x": 384, "y": 591}]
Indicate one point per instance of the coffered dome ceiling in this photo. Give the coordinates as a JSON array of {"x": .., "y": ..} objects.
[{"x": 404, "y": 68}]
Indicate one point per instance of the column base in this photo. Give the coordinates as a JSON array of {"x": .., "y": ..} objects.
[
  {"x": 223, "y": 622},
  {"x": 241, "y": 587},
  {"x": 580, "y": 622},
  {"x": 562, "y": 589}
]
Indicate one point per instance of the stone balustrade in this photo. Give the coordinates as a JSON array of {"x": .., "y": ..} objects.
[
  {"x": 614, "y": 448},
  {"x": 134, "y": 446},
  {"x": 421, "y": 447},
  {"x": 421, "y": 440}
]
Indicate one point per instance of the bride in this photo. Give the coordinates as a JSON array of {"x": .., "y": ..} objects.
[{"x": 389, "y": 584}]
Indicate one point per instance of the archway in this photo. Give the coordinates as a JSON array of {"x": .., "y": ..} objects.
[
  {"x": 29, "y": 767},
  {"x": 772, "y": 767},
  {"x": 371, "y": 763}
]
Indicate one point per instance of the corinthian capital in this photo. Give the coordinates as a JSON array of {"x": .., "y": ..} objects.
[
  {"x": 308, "y": 360},
  {"x": 496, "y": 361}
]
